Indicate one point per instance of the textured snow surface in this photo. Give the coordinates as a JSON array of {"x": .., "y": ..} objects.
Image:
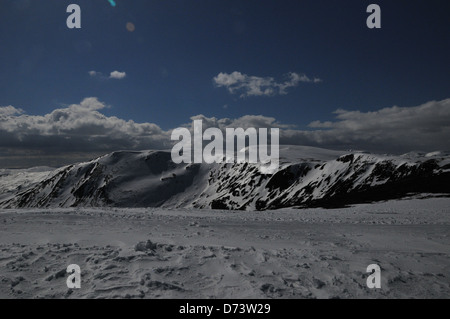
[{"x": 181, "y": 253}]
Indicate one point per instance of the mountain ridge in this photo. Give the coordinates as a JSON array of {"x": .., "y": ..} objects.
[{"x": 306, "y": 177}]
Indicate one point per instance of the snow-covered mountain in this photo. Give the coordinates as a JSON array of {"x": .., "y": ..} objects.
[{"x": 307, "y": 177}]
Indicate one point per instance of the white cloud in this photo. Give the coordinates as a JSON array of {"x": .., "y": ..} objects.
[
  {"x": 389, "y": 130},
  {"x": 78, "y": 127},
  {"x": 94, "y": 73},
  {"x": 83, "y": 128},
  {"x": 246, "y": 121},
  {"x": 393, "y": 129},
  {"x": 237, "y": 82},
  {"x": 10, "y": 110},
  {"x": 117, "y": 75}
]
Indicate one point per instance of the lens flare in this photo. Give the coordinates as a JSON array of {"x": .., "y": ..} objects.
[{"x": 130, "y": 27}]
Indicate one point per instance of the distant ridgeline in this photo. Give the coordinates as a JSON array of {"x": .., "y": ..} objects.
[{"x": 306, "y": 177}]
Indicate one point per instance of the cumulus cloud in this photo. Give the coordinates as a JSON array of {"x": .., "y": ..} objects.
[
  {"x": 246, "y": 121},
  {"x": 394, "y": 129},
  {"x": 84, "y": 129},
  {"x": 246, "y": 85},
  {"x": 10, "y": 110},
  {"x": 77, "y": 128},
  {"x": 389, "y": 130},
  {"x": 117, "y": 75}
]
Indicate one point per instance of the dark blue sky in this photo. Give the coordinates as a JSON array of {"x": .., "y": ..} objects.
[{"x": 178, "y": 47}]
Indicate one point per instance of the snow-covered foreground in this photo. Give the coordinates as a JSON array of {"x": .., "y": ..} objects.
[{"x": 155, "y": 253}]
